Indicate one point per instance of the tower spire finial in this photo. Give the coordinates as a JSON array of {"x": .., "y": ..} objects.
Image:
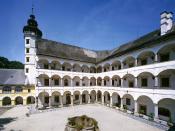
[{"x": 32, "y": 8}]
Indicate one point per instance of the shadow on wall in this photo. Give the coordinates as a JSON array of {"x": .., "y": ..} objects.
[{"x": 4, "y": 121}]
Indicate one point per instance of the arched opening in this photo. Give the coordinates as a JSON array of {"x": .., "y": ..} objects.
[
  {"x": 116, "y": 65},
  {"x": 128, "y": 81},
  {"x": 99, "y": 96},
  {"x": 55, "y": 80},
  {"x": 106, "y": 67},
  {"x": 66, "y": 66},
  {"x": 76, "y": 81},
  {"x": 99, "y": 69},
  {"x": 116, "y": 100},
  {"x": 92, "y": 81},
  {"x": 18, "y": 100},
  {"x": 67, "y": 81},
  {"x": 67, "y": 98},
  {"x": 85, "y": 69},
  {"x": 6, "y": 89},
  {"x": 99, "y": 81},
  {"x": 18, "y": 89},
  {"x": 166, "y": 110},
  {"x": 145, "y": 80},
  {"x": 76, "y": 68},
  {"x": 6, "y": 101},
  {"x": 128, "y": 62},
  {"x": 85, "y": 97},
  {"x": 56, "y": 98},
  {"x": 106, "y": 81},
  {"x": 92, "y": 69},
  {"x": 92, "y": 96},
  {"x": 116, "y": 81},
  {"x": 43, "y": 64},
  {"x": 145, "y": 58},
  {"x": 166, "y": 79},
  {"x": 85, "y": 81},
  {"x": 128, "y": 102},
  {"x": 55, "y": 65},
  {"x": 77, "y": 97},
  {"x": 145, "y": 105},
  {"x": 43, "y": 99},
  {"x": 30, "y": 100},
  {"x": 106, "y": 98},
  {"x": 43, "y": 80},
  {"x": 166, "y": 53}
]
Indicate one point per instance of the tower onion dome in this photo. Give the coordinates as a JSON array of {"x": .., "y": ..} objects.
[{"x": 32, "y": 27}]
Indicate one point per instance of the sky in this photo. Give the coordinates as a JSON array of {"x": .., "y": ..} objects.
[{"x": 92, "y": 24}]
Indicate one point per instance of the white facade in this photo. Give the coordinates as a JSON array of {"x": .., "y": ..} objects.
[{"x": 142, "y": 81}]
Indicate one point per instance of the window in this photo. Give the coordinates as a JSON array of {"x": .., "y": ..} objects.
[
  {"x": 142, "y": 109},
  {"x": 113, "y": 68},
  {"x": 165, "y": 82},
  {"x": 76, "y": 97},
  {"x": 27, "y": 59},
  {"x": 128, "y": 101},
  {"x": 46, "y": 66},
  {"x": 104, "y": 82},
  {"x": 144, "y": 62},
  {"x": 131, "y": 65},
  {"x": 27, "y": 50},
  {"x": 119, "y": 67},
  {"x": 164, "y": 57},
  {"x": 163, "y": 112},
  {"x": 131, "y": 84},
  {"x": 18, "y": 89},
  {"x": 113, "y": 82},
  {"x": 56, "y": 82},
  {"x": 27, "y": 41},
  {"x": 27, "y": 70},
  {"x": 46, "y": 82},
  {"x": 144, "y": 82},
  {"x": 56, "y": 99},
  {"x": 6, "y": 89},
  {"x": 77, "y": 83},
  {"x": 65, "y": 82},
  {"x": 29, "y": 90}
]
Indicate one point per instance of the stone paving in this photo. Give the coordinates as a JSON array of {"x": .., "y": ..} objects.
[{"x": 108, "y": 119}]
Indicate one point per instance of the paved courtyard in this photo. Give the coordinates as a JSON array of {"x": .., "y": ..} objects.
[{"x": 108, "y": 119}]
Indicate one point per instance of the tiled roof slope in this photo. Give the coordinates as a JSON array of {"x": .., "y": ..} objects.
[
  {"x": 61, "y": 50},
  {"x": 12, "y": 77}
]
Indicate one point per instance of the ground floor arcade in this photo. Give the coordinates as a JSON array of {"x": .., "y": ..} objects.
[{"x": 164, "y": 109}]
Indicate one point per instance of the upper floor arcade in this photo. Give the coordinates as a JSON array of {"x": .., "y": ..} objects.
[{"x": 147, "y": 56}]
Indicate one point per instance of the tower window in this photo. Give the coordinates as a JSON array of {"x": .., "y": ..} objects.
[
  {"x": 27, "y": 70},
  {"x": 27, "y": 41},
  {"x": 165, "y": 82},
  {"x": 128, "y": 101},
  {"x": 144, "y": 82},
  {"x": 27, "y": 50},
  {"x": 27, "y": 59}
]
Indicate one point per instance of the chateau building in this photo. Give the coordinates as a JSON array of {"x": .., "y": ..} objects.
[{"x": 138, "y": 76}]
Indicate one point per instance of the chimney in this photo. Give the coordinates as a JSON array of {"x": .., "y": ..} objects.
[{"x": 166, "y": 22}]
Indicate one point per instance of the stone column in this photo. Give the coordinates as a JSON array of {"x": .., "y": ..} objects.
[
  {"x": 122, "y": 82},
  {"x": 89, "y": 81},
  {"x": 61, "y": 82},
  {"x": 121, "y": 107},
  {"x": 80, "y": 82},
  {"x": 111, "y": 104},
  {"x": 156, "y": 58},
  {"x": 135, "y": 82},
  {"x": 156, "y": 115},
  {"x": 102, "y": 82},
  {"x": 71, "y": 82},
  {"x": 61, "y": 101},
  {"x": 80, "y": 99},
  {"x": 156, "y": 82},
  {"x": 135, "y": 107},
  {"x": 72, "y": 100},
  {"x": 110, "y": 68},
  {"x": 110, "y": 81},
  {"x": 89, "y": 98},
  {"x": 50, "y": 101},
  {"x": 122, "y": 66},
  {"x": 135, "y": 62},
  {"x": 102, "y": 99},
  {"x": 96, "y": 98}
]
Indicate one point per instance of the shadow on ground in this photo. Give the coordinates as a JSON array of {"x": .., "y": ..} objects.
[{"x": 4, "y": 121}]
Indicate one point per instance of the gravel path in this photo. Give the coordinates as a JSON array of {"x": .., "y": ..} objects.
[{"x": 108, "y": 119}]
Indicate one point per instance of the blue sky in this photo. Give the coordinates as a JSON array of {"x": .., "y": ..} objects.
[{"x": 92, "y": 24}]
